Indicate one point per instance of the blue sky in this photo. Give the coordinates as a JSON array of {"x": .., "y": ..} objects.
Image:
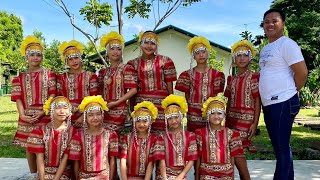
[{"x": 221, "y": 21}]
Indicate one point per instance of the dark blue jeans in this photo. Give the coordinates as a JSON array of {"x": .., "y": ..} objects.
[{"x": 279, "y": 119}]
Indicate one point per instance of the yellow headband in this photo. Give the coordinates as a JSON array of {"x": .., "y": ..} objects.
[
  {"x": 145, "y": 106},
  {"x": 196, "y": 43},
  {"x": 180, "y": 101},
  {"x": 151, "y": 36},
  {"x": 70, "y": 49},
  {"x": 112, "y": 39},
  {"x": 213, "y": 103},
  {"x": 91, "y": 101},
  {"x": 242, "y": 46},
  {"x": 57, "y": 99},
  {"x": 31, "y": 44}
]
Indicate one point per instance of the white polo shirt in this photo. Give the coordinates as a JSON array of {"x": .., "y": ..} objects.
[{"x": 276, "y": 82}]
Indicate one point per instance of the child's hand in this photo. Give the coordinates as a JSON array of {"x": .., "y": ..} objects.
[
  {"x": 79, "y": 122},
  {"x": 27, "y": 119},
  {"x": 112, "y": 104},
  {"x": 180, "y": 177},
  {"x": 252, "y": 131}
]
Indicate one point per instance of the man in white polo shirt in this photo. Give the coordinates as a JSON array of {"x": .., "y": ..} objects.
[{"x": 283, "y": 73}]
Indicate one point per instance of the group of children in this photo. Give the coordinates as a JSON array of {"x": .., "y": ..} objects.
[{"x": 71, "y": 123}]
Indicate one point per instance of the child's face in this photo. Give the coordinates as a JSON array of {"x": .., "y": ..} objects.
[
  {"x": 174, "y": 122},
  {"x": 114, "y": 53},
  {"x": 61, "y": 113},
  {"x": 148, "y": 48},
  {"x": 242, "y": 60},
  {"x": 34, "y": 59},
  {"x": 74, "y": 63},
  {"x": 216, "y": 118},
  {"x": 201, "y": 56},
  {"x": 94, "y": 118},
  {"x": 142, "y": 125}
]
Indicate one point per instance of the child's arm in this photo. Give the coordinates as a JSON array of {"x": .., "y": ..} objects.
[
  {"x": 257, "y": 110},
  {"x": 40, "y": 165},
  {"x": 170, "y": 87},
  {"x": 185, "y": 170},
  {"x": 76, "y": 165},
  {"x": 196, "y": 169},
  {"x": 123, "y": 169},
  {"x": 162, "y": 167},
  {"x": 112, "y": 166},
  {"x": 61, "y": 167},
  {"x": 149, "y": 171}
]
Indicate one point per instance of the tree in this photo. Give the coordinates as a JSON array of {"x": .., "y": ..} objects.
[
  {"x": 303, "y": 23},
  {"x": 10, "y": 39},
  {"x": 97, "y": 14}
]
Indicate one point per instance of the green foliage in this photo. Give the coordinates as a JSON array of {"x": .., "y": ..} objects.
[
  {"x": 52, "y": 58},
  {"x": 303, "y": 23},
  {"x": 97, "y": 13},
  {"x": 310, "y": 94},
  {"x": 140, "y": 7},
  {"x": 10, "y": 39},
  {"x": 214, "y": 63}
]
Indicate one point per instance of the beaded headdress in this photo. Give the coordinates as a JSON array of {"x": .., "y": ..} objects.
[
  {"x": 93, "y": 102},
  {"x": 145, "y": 110},
  {"x": 198, "y": 43},
  {"x": 112, "y": 39},
  {"x": 214, "y": 104},
  {"x": 148, "y": 36},
  {"x": 174, "y": 105},
  {"x": 31, "y": 44},
  {"x": 53, "y": 102},
  {"x": 70, "y": 49},
  {"x": 243, "y": 47}
]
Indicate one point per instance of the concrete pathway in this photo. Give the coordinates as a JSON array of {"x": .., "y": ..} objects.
[{"x": 17, "y": 168}]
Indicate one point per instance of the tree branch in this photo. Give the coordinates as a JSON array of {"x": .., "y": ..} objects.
[
  {"x": 168, "y": 13},
  {"x": 87, "y": 35}
]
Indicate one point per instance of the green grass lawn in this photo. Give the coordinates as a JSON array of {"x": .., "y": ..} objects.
[{"x": 301, "y": 137}]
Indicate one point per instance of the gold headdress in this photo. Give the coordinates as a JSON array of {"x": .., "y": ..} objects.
[
  {"x": 31, "y": 44},
  {"x": 145, "y": 108},
  {"x": 70, "y": 49},
  {"x": 243, "y": 47},
  {"x": 93, "y": 101},
  {"x": 56, "y": 100},
  {"x": 148, "y": 36},
  {"x": 112, "y": 39},
  {"x": 198, "y": 43},
  {"x": 213, "y": 104},
  {"x": 179, "y": 101}
]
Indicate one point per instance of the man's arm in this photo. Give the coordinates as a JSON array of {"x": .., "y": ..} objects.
[{"x": 300, "y": 72}]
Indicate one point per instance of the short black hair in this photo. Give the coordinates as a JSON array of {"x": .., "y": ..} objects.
[{"x": 283, "y": 16}]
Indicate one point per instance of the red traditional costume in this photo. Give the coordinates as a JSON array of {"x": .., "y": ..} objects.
[
  {"x": 217, "y": 147},
  {"x": 75, "y": 86},
  {"x": 199, "y": 86},
  {"x": 241, "y": 91},
  {"x": 139, "y": 152},
  {"x": 177, "y": 154},
  {"x": 215, "y": 150},
  {"x": 52, "y": 142},
  {"x": 33, "y": 89},
  {"x": 152, "y": 78},
  {"x": 179, "y": 147},
  {"x": 114, "y": 83},
  {"x": 93, "y": 151}
]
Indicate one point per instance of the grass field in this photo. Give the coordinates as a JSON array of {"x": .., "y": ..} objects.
[{"x": 301, "y": 137}]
